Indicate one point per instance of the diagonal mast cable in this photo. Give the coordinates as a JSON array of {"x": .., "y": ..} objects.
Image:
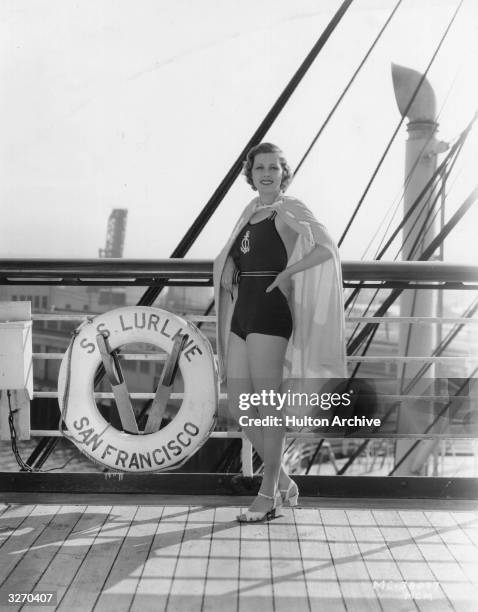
[
  {"x": 150, "y": 295},
  {"x": 441, "y": 178},
  {"x": 202, "y": 219},
  {"x": 405, "y": 217},
  {"x": 454, "y": 151},
  {"x": 395, "y": 132},
  {"x": 440, "y": 348},
  {"x": 456, "y": 148},
  {"x": 434, "y": 422},
  {"x": 347, "y": 87},
  {"x": 401, "y": 195},
  {"x": 441, "y": 170},
  {"x": 427, "y": 253}
]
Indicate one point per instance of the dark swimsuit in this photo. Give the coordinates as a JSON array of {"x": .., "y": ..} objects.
[{"x": 259, "y": 255}]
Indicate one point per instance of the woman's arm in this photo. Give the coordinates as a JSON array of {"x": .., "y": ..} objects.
[
  {"x": 317, "y": 256},
  {"x": 227, "y": 279}
]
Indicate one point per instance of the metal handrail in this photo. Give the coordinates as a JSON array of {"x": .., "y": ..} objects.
[
  {"x": 124, "y": 272},
  {"x": 145, "y": 272}
]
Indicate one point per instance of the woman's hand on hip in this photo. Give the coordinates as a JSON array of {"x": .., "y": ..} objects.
[{"x": 279, "y": 279}]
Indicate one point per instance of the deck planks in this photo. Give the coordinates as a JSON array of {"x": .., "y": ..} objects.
[
  {"x": 381, "y": 566},
  {"x": 152, "y": 592},
  {"x": 11, "y": 518},
  {"x": 420, "y": 584},
  {"x": 23, "y": 537},
  {"x": 323, "y": 586},
  {"x": 89, "y": 580},
  {"x": 188, "y": 584},
  {"x": 255, "y": 574},
  {"x": 65, "y": 564},
  {"x": 194, "y": 557},
  {"x": 123, "y": 579},
  {"x": 40, "y": 554},
  {"x": 355, "y": 581},
  {"x": 222, "y": 574},
  {"x": 288, "y": 578}
]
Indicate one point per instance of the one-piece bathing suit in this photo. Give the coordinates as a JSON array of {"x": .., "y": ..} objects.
[{"x": 259, "y": 255}]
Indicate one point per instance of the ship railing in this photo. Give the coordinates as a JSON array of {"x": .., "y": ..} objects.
[{"x": 195, "y": 273}]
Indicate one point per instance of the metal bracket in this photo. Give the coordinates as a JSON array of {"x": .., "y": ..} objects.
[
  {"x": 160, "y": 401},
  {"x": 118, "y": 385}
]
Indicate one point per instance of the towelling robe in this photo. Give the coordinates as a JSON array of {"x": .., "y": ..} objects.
[{"x": 316, "y": 349}]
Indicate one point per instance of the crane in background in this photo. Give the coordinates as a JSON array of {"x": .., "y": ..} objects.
[{"x": 115, "y": 233}]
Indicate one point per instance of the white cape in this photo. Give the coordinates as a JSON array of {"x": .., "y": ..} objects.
[{"x": 316, "y": 348}]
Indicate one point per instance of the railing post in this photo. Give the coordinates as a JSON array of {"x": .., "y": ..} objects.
[{"x": 246, "y": 457}]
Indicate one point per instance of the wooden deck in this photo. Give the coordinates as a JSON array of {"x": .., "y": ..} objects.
[{"x": 193, "y": 556}]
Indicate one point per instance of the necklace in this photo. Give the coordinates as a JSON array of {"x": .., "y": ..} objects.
[{"x": 260, "y": 206}]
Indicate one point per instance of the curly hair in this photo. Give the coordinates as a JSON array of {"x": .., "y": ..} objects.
[{"x": 267, "y": 147}]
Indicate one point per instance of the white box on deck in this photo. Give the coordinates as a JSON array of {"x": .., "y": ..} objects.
[{"x": 16, "y": 367}]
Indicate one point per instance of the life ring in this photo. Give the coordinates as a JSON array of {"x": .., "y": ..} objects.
[{"x": 172, "y": 445}]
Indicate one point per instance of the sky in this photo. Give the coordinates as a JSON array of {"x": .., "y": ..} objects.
[{"x": 145, "y": 105}]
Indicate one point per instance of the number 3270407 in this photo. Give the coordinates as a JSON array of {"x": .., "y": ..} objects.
[{"x": 44, "y": 597}]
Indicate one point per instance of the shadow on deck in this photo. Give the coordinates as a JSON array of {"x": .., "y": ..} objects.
[{"x": 189, "y": 553}]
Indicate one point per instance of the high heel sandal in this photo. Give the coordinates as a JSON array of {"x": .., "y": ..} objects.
[
  {"x": 288, "y": 496},
  {"x": 261, "y": 517}
]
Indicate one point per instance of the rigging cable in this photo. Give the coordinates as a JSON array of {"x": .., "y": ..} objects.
[
  {"x": 347, "y": 87},
  {"x": 435, "y": 420},
  {"x": 410, "y": 102},
  {"x": 438, "y": 350},
  {"x": 441, "y": 177},
  {"x": 399, "y": 198},
  {"x": 428, "y": 252},
  {"x": 208, "y": 210},
  {"x": 428, "y": 185},
  {"x": 439, "y": 195},
  {"x": 455, "y": 148},
  {"x": 441, "y": 171},
  {"x": 354, "y": 295}
]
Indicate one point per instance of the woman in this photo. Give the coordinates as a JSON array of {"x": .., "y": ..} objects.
[{"x": 278, "y": 290}]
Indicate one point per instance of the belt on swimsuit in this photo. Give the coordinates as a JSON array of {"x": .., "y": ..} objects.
[
  {"x": 253, "y": 274},
  {"x": 260, "y": 273}
]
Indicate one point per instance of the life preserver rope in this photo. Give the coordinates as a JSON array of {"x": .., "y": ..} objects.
[{"x": 172, "y": 445}]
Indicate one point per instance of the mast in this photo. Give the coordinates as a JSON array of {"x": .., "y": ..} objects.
[{"x": 422, "y": 149}]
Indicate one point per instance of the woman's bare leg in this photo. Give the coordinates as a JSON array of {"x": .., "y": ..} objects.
[
  {"x": 239, "y": 381},
  {"x": 266, "y": 359}
]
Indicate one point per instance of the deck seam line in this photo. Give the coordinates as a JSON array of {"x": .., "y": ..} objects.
[
  {"x": 6, "y": 507},
  {"x": 33, "y": 506},
  {"x": 84, "y": 557},
  {"x": 423, "y": 557},
  {"x": 168, "y": 598},
  {"x": 241, "y": 527},
  {"x": 57, "y": 551},
  {"x": 30, "y": 545},
  {"x": 203, "y": 598},
  {"x": 146, "y": 560},
  {"x": 465, "y": 532},
  {"x": 270, "y": 567},
  {"x": 301, "y": 559},
  {"x": 377, "y": 599},
  {"x": 100, "y": 592},
  {"x": 457, "y": 561},
  {"x": 397, "y": 563},
  {"x": 332, "y": 559}
]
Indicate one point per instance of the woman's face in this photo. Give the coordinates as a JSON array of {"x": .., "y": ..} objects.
[{"x": 267, "y": 173}]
